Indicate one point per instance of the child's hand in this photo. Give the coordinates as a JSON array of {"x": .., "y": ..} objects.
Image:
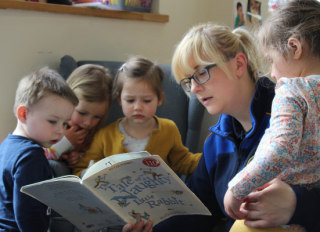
[
  {"x": 138, "y": 227},
  {"x": 232, "y": 206},
  {"x": 76, "y": 135},
  {"x": 72, "y": 158}
]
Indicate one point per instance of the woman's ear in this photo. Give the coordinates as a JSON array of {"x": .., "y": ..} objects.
[
  {"x": 241, "y": 64},
  {"x": 295, "y": 48},
  {"x": 22, "y": 113}
]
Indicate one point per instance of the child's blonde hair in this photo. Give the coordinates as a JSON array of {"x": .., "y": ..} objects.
[
  {"x": 207, "y": 43},
  {"x": 92, "y": 83},
  {"x": 298, "y": 19},
  {"x": 32, "y": 88},
  {"x": 139, "y": 68}
]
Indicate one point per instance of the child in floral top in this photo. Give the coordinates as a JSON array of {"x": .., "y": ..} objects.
[{"x": 290, "y": 148}]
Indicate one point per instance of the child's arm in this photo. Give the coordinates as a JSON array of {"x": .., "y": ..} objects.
[
  {"x": 232, "y": 205},
  {"x": 29, "y": 213},
  {"x": 279, "y": 147},
  {"x": 56, "y": 150},
  {"x": 241, "y": 21},
  {"x": 73, "y": 138},
  {"x": 181, "y": 159},
  {"x": 51, "y": 153}
]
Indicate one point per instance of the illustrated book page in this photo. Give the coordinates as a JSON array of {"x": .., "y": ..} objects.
[{"x": 119, "y": 189}]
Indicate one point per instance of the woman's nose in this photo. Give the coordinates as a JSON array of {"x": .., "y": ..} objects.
[{"x": 195, "y": 87}]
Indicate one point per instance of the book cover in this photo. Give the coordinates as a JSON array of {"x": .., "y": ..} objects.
[{"x": 119, "y": 189}]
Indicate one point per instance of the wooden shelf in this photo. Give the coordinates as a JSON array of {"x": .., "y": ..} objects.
[{"x": 35, "y": 6}]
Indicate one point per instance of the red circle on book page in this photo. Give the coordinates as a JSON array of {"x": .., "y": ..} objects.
[{"x": 151, "y": 162}]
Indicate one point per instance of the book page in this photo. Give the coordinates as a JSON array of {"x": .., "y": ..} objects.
[
  {"x": 68, "y": 197},
  {"x": 144, "y": 188},
  {"x": 113, "y": 159}
]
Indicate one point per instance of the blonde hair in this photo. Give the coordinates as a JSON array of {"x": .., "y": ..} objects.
[
  {"x": 139, "y": 68},
  {"x": 92, "y": 83},
  {"x": 298, "y": 19},
  {"x": 32, "y": 88},
  {"x": 207, "y": 43}
]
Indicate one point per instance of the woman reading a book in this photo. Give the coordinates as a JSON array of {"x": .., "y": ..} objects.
[{"x": 221, "y": 67}]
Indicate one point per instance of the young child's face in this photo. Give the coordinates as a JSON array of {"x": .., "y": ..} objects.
[
  {"x": 87, "y": 115},
  {"x": 138, "y": 100},
  {"x": 46, "y": 120}
]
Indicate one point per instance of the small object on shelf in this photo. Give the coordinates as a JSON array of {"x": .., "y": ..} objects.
[
  {"x": 41, "y": 1},
  {"x": 125, "y": 5},
  {"x": 62, "y": 2}
]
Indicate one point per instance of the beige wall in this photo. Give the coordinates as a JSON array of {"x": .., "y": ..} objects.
[{"x": 30, "y": 40}]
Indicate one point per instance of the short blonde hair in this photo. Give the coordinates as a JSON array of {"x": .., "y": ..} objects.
[
  {"x": 32, "y": 88},
  {"x": 207, "y": 43}
]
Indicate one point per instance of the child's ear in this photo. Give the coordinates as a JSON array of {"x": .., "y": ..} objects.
[
  {"x": 160, "y": 99},
  {"x": 22, "y": 113},
  {"x": 119, "y": 101},
  {"x": 295, "y": 47}
]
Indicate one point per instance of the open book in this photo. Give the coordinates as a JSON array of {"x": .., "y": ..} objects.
[{"x": 118, "y": 189}]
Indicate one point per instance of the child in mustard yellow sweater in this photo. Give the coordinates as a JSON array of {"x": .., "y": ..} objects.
[{"x": 138, "y": 89}]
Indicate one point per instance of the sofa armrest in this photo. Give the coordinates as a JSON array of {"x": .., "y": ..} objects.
[{"x": 195, "y": 117}]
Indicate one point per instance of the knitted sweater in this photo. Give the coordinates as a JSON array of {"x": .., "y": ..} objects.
[{"x": 164, "y": 141}]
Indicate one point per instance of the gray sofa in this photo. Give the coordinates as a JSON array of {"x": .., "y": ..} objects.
[{"x": 186, "y": 112}]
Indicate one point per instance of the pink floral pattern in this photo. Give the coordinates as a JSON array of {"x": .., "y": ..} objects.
[
  {"x": 51, "y": 153},
  {"x": 290, "y": 148}
]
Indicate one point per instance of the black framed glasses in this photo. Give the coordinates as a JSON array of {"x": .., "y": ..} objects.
[{"x": 200, "y": 76}]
